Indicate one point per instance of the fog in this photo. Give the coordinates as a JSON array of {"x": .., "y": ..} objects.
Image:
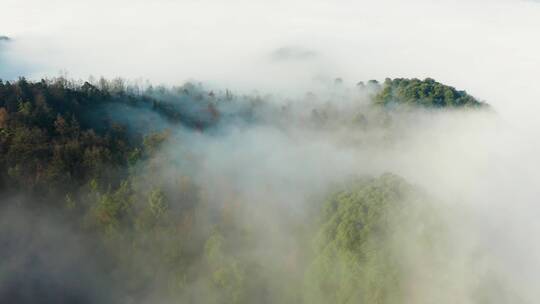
[
  {"x": 478, "y": 167},
  {"x": 468, "y": 44},
  {"x": 474, "y": 166}
]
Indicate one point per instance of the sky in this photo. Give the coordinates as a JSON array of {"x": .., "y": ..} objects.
[{"x": 487, "y": 48}]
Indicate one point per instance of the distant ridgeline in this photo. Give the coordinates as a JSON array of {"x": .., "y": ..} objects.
[
  {"x": 58, "y": 131},
  {"x": 427, "y": 93}
]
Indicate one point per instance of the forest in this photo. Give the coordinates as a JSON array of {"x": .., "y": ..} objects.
[{"x": 117, "y": 192}]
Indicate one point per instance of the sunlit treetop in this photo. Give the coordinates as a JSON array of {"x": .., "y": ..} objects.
[{"x": 427, "y": 92}]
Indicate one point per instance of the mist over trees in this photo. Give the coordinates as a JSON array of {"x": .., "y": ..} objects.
[{"x": 103, "y": 200}]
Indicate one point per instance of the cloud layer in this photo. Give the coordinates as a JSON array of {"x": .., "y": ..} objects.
[{"x": 469, "y": 44}]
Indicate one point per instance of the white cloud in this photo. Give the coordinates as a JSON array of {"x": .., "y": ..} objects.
[{"x": 469, "y": 44}]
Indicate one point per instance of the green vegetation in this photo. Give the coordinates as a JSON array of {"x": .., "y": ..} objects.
[
  {"x": 91, "y": 155},
  {"x": 427, "y": 92},
  {"x": 56, "y": 135},
  {"x": 356, "y": 258}
]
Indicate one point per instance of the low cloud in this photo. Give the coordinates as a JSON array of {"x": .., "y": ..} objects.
[{"x": 292, "y": 53}]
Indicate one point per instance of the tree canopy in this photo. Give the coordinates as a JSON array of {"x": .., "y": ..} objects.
[
  {"x": 91, "y": 158},
  {"x": 427, "y": 92}
]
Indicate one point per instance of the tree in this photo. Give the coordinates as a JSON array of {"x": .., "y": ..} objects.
[
  {"x": 428, "y": 93},
  {"x": 60, "y": 125},
  {"x": 4, "y": 116},
  {"x": 354, "y": 259}
]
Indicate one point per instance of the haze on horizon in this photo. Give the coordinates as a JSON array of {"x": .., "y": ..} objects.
[{"x": 258, "y": 45}]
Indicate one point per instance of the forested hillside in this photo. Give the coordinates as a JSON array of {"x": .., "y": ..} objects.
[
  {"x": 428, "y": 92},
  {"x": 60, "y": 134},
  {"x": 110, "y": 194}
]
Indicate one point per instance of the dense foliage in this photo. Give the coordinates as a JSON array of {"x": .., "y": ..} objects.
[
  {"x": 427, "y": 92},
  {"x": 47, "y": 142},
  {"x": 88, "y": 157},
  {"x": 356, "y": 258},
  {"x": 57, "y": 135}
]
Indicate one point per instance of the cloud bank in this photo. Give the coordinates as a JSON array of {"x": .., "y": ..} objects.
[{"x": 456, "y": 42}]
